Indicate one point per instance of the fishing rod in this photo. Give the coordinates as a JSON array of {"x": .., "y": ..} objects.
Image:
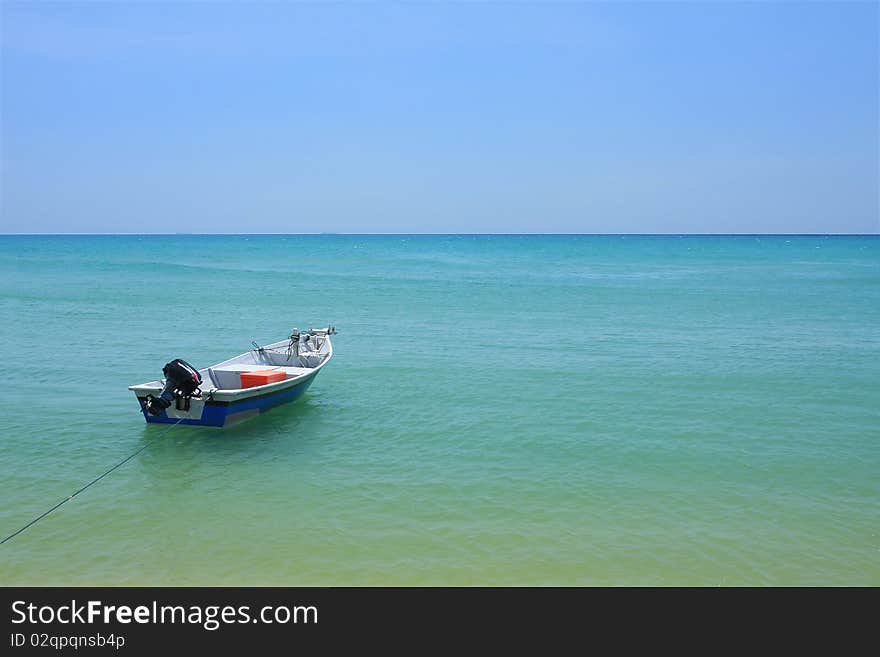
[{"x": 93, "y": 481}]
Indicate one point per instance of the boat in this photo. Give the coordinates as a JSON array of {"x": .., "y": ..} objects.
[{"x": 239, "y": 388}]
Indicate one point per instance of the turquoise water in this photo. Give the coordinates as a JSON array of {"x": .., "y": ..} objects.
[{"x": 500, "y": 410}]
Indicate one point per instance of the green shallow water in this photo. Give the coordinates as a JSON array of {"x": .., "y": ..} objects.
[{"x": 500, "y": 410}]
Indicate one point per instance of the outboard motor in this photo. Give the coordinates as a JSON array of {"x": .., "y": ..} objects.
[{"x": 182, "y": 381}]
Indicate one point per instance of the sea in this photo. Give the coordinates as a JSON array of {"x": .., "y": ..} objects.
[{"x": 500, "y": 410}]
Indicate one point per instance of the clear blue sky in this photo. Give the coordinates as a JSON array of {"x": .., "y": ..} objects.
[{"x": 501, "y": 117}]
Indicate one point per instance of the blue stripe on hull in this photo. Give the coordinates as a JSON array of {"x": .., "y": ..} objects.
[{"x": 218, "y": 415}]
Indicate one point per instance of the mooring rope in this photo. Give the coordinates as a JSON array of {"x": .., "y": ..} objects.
[{"x": 93, "y": 481}]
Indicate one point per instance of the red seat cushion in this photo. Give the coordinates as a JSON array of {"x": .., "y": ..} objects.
[{"x": 251, "y": 379}]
